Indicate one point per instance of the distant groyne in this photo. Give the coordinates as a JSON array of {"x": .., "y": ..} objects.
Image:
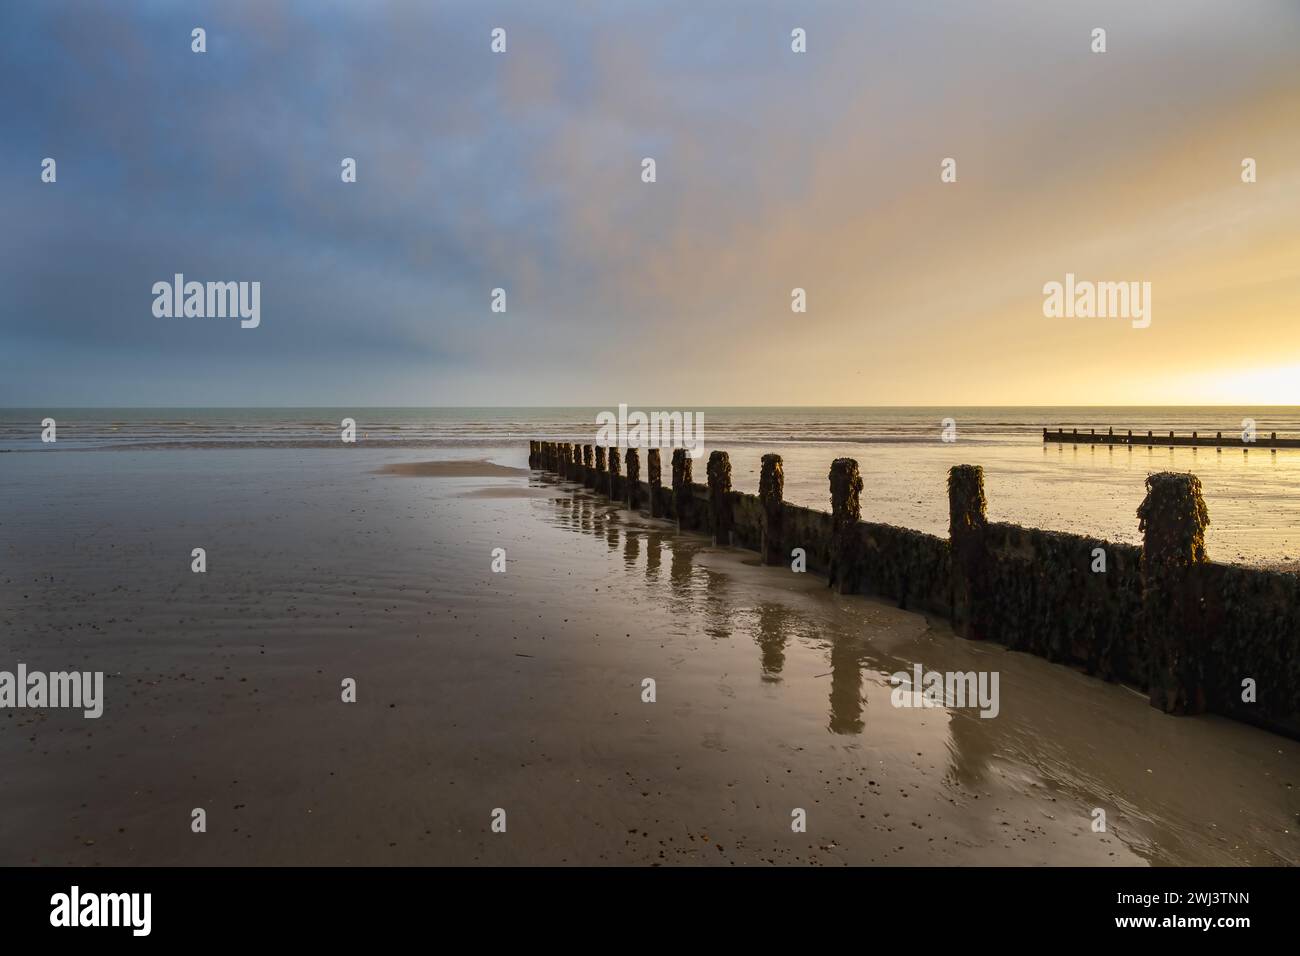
[
  {"x": 1196, "y": 636},
  {"x": 1152, "y": 440}
]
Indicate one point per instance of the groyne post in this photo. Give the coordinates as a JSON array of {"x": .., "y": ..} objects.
[
  {"x": 534, "y": 453},
  {"x": 588, "y": 467},
  {"x": 566, "y": 459},
  {"x": 681, "y": 485},
  {"x": 613, "y": 473},
  {"x": 846, "y": 511},
  {"x": 771, "y": 494},
  {"x": 579, "y": 471},
  {"x": 1172, "y": 519},
  {"x": 967, "y": 522},
  {"x": 633, "y": 477},
  {"x": 655, "y": 479},
  {"x": 719, "y": 472},
  {"x": 601, "y": 478}
]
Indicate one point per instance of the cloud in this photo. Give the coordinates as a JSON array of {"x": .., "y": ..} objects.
[{"x": 775, "y": 170}]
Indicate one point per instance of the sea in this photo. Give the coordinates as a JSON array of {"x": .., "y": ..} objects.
[{"x": 902, "y": 453}]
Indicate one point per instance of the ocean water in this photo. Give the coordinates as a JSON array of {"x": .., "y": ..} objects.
[{"x": 1252, "y": 497}]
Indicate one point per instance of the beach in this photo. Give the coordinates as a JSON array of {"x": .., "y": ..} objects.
[{"x": 522, "y": 690}]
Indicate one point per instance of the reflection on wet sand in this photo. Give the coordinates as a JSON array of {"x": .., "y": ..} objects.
[
  {"x": 774, "y": 622},
  {"x": 631, "y": 550},
  {"x": 1060, "y": 738},
  {"x": 846, "y": 688},
  {"x": 654, "y": 548}
]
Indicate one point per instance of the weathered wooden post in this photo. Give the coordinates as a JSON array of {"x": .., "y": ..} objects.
[
  {"x": 1172, "y": 519},
  {"x": 846, "y": 511},
  {"x": 719, "y": 473},
  {"x": 588, "y": 467},
  {"x": 534, "y": 453},
  {"x": 682, "y": 494},
  {"x": 601, "y": 481},
  {"x": 967, "y": 520},
  {"x": 546, "y": 456},
  {"x": 771, "y": 492},
  {"x": 566, "y": 460},
  {"x": 655, "y": 479},
  {"x": 613, "y": 473},
  {"x": 633, "y": 477}
]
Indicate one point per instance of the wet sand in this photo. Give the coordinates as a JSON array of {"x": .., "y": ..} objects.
[
  {"x": 522, "y": 691},
  {"x": 452, "y": 469}
]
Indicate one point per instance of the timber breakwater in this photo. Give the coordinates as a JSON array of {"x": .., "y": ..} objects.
[
  {"x": 1195, "y": 635},
  {"x": 1245, "y": 440}
]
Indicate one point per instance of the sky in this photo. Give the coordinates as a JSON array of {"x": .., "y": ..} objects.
[{"x": 775, "y": 170}]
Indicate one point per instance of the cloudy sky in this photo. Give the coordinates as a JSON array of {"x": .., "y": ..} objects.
[{"x": 775, "y": 170}]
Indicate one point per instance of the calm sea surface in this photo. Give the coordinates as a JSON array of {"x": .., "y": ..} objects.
[{"x": 1254, "y": 499}]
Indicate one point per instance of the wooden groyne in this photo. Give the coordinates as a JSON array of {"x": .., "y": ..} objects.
[
  {"x": 1152, "y": 439},
  {"x": 1194, "y": 635}
]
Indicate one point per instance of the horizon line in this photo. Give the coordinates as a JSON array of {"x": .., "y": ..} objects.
[{"x": 638, "y": 406}]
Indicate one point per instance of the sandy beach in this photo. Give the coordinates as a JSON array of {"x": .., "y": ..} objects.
[{"x": 522, "y": 691}]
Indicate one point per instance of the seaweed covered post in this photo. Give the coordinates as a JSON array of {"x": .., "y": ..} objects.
[
  {"x": 967, "y": 521},
  {"x": 681, "y": 485},
  {"x": 575, "y": 463},
  {"x": 601, "y": 481},
  {"x": 613, "y": 473},
  {"x": 719, "y": 472},
  {"x": 633, "y": 477},
  {"x": 588, "y": 467},
  {"x": 1172, "y": 519},
  {"x": 771, "y": 492},
  {"x": 846, "y": 511},
  {"x": 655, "y": 478}
]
